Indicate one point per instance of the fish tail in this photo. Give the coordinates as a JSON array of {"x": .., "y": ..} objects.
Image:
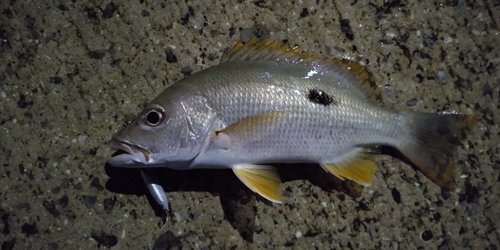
[{"x": 432, "y": 143}]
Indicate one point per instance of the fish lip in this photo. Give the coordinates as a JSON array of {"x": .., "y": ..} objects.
[{"x": 129, "y": 155}]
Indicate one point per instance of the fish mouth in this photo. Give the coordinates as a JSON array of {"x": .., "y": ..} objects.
[{"x": 127, "y": 154}]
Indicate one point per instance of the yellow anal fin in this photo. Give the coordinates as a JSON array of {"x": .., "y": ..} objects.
[
  {"x": 360, "y": 169},
  {"x": 261, "y": 179}
]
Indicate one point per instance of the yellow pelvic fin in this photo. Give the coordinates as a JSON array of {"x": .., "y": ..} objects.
[
  {"x": 250, "y": 129},
  {"x": 359, "y": 169},
  {"x": 261, "y": 179},
  {"x": 267, "y": 50}
]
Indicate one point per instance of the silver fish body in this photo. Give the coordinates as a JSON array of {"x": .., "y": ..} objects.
[
  {"x": 302, "y": 130},
  {"x": 298, "y": 129},
  {"x": 266, "y": 104}
]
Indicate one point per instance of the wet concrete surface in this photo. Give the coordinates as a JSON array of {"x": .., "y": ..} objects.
[{"x": 71, "y": 74}]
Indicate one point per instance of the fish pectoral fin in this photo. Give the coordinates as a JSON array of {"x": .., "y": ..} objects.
[
  {"x": 261, "y": 179},
  {"x": 222, "y": 140},
  {"x": 359, "y": 169},
  {"x": 250, "y": 129}
]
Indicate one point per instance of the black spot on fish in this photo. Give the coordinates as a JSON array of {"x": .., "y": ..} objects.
[{"x": 320, "y": 97}]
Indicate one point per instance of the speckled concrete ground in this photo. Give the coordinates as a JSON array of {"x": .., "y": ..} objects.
[{"x": 72, "y": 73}]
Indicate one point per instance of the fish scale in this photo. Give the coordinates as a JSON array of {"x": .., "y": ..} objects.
[
  {"x": 313, "y": 120},
  {"x": 263, "y": 100},
  {"x": 266, "y": 103}
]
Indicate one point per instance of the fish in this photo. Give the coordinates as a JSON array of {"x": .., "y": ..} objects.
[{"x": 267, "y": 103}]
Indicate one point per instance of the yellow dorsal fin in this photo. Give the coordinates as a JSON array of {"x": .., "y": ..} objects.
[
  {"x": 261, "y": 179},
  {"x": 262, "y": 51},
  {"x": 358, "y": 168},
  {"x": 267, "y": 50},
  {"x": 367, "y": 81}
]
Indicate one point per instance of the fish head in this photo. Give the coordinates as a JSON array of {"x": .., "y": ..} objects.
[{"x": 169, "y": 132}]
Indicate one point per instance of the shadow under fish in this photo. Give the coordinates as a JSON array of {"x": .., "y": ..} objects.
[{"x": 237, "y": 202}]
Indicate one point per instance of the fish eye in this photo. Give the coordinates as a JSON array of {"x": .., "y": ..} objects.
[{"x": 153, "y": 117}]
